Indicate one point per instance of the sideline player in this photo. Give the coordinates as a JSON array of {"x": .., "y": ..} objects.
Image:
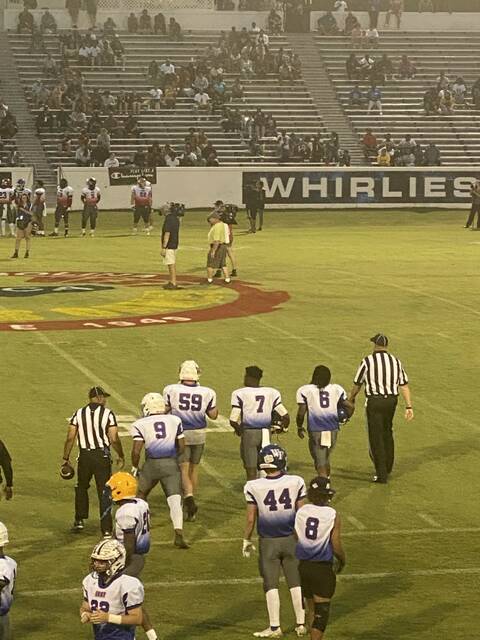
[
  {"x": 23, "y": 222},
  {"x": 20, "y": 190},
  {"x": 162, "y": 436},
  {"x": 253, "y": 409},
  {"x": 64, "y": 204},
  {"x": 192, "y": 403},
  {"x": 112, "y": 601},
  {"x": 6, "y": 214},
  {"x": 8, "y": 575},
  {"x": 141, "y": 201},
  {"x": 272, "y": 503},
  {"x": 317, "y": 526},
  {"x": 39, "y": 209},
  {"x": 90, "y": 197},
  {"x": 132, "y": 529},
  {"x": 326, "y": 407}
]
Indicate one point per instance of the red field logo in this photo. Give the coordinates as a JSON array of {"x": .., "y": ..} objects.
[{"x": 54, "y": 301}]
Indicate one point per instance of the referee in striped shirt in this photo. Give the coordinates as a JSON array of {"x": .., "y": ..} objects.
[
  {"x": 383, "y": 376},
  {"x": 95, "y": 429}
]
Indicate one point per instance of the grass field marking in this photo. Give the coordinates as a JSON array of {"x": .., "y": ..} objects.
[
  {"x": 209, "y": 470},
  {"x": 172, "y": 584},
  {"x": 249, "y": 339},
  {"x": 429, "y": 520},
  {"x": 356, "y": 523}
]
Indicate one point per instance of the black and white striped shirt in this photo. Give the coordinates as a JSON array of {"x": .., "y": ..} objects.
[
  {"x": 92, "y": 422},
  {"x": 381, "y": 373}
]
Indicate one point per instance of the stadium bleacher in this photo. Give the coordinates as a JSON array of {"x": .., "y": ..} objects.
[
  {"x": 457, "y": 135},
  {"x": 290, "y": 104}
]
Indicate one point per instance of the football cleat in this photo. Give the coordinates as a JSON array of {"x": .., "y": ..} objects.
[
  {"x": 179, "y": 541},
  {"x": 272, "y": 457},
  {"x": 301, "y": 630},
  {"x": 77, "y": 526},
  {"x": 269, "y": 633}
]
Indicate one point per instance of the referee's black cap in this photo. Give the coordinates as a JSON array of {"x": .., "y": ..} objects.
[
  {"x": 380, "y": 339},
  {"x": 254, "y": 372},
  {"x": 96, "y": 392},
  {"x": 322, "y": 485}
]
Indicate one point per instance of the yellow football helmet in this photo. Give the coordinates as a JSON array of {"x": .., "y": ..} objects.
[{"x": 123, "y": 486}]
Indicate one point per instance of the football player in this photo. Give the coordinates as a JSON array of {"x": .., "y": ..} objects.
[
  {"x": 319, "y": 546},
  {"x": 141, "y": 201},
  {"x": 20, "y": 190},
  {"x": 112, "y": 600},
  {"x": 23, "y": 221},
  {"x": 132, "y": 529},
  {"x": 6, "y": 214},
  {"x": 254, "y": 408},
  {"x": 326, "y": 406},
  {"x": 8, "y": 575},
  {"x": 39, "y": 209},
  {"x": 163, "y": 439},
  {"x": 90, "y": 197},
  {"x": 272, "y": 503},
  {"x": 192, "y": 403},
  {"x": 64, "y": 204}
]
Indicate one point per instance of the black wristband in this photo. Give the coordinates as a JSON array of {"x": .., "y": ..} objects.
[{"x": 408, "y": 407}]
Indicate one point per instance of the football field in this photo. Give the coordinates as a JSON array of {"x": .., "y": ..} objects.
[{"x": 318, "y": 285}]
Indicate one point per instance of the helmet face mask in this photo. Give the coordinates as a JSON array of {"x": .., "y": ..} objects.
[{"x": 108, "y": 559}]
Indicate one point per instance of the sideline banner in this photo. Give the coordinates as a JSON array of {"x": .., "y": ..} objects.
[{"x": 130, "y": 175}]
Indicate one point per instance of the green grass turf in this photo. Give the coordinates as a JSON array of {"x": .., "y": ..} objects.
[{"x": 412, "y": 275}]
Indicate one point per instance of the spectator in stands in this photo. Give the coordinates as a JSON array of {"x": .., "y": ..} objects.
[
  {"x": 406, "y": 152},
  {"x": 406, "y": 69},
  {"x": 274, "y": 23},
  {"x": 443, "y": 81},
  {"x": 431, "y": 102},
  {"x": 296, "y": 66},
  {"x": 13, "y": 159},
  {"x": 155, "y": 94},
  {"x": 145, "y": 22},
  {"x": 352, "y": 67},
  {"x": 170, "y": 96},
  {"x": 459, "y": 93},
  {"x": 476, "y": 94},
  {"x": 356, "y": 97},
  {"x": 112, "y": 161},
  {"x": 374, "y": 97},
  {"x": 48, "y": 23},
  {"x": 82, "y": 156},
  {"x": 395, "y": 9},
  {"x": 8, "y": 126},
  {"x": 369, "y": 145},
  {"x": 373, "y": 12},
  {"x": 103, "y": 140},
  {"x": 384, "y": 159},
  {"x": 139, "y": 158},
  {"x": 445, "y": 101},
  {"x": 37, "y": 43},
  {"x": 174, "y": 30},
  {"x": 132, "y": 130},
  {"x": 332, "y": 146},
  {"x": 344, "y": 159},
  {"x": 340, "y": 8},
  {"x": 262, "y": 38},
  {"x": 167, "y": 69},
  {"x": 389, "y": 144},
  {"x": 327, "y": 25},
  {"x": 317, "y": 149},
  {"x": 91, "y": 7},
  {"x": 132, "y": 23},
  {"x": 419, "y": 156},
  {"x": 171, "y": 159},
  {"x": 202, "y": 102},
  {"x": 351, "y": 23},
  {"x": 246, "y": 66},
  {"x": 109, "y": 27},
  {"x": 25, "y": 22},
  {"x": 188, "y": 158},
  {"x": 365, "y": 65},
  {"x": 78, "y": 118},
  {"x": 44, "y": 121},
  {"x": 159, "y": 24},
  {"x": 73, "y": 8},
  {"x": 372, "y": 38},
  {"x": 112, "y": 125},
  {"x": 237, "y": 91},
  {"x": 425, "y": 5},
  {"x": 95, "y": 123},
  {"x": 383, "y": 69},
  {"x": 50, "y": 68},
  {"x": 357, "y": 36},
  {"x": 118, "y": 50}
]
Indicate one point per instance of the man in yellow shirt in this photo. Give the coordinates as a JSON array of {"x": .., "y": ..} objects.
[
  {"x": 384, "y": 158},
  {"x": 218, "y": 238}
]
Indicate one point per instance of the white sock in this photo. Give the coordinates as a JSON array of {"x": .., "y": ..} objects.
[
  {"x": 273, "y": 606},
  {"x": 176, "y": 513},
  {"x": 56, "y": 230},
  {"x": 297, "y": 602},
  {"x": 3, "y": 227},
  {"x": 12, "y": 228}
]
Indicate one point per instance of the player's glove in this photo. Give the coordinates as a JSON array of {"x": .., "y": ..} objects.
[
  {"x": 134, "y": 472},
  {"x": 85, "y": 617},
  {"x": 248, "y": 548},
  {"x": 338, "y": 565},
  {"x": 301, "y": 433},
  {"x": 238, "y": 429}
]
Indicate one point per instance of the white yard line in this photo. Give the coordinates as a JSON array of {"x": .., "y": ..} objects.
[
  {"x": 218, "y": 582},
  {"x": 356, "y": 523},
  {"x": 95, "y": 379},
  {"x": 429, "y": 520}
]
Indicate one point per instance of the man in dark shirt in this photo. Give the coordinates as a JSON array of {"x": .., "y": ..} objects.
[
  {"x": 170, "y": 233},
  {"x": 6, "y": 465}
]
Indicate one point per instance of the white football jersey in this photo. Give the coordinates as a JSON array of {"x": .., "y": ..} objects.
[
  {"x": 133, "y": 515},
  {"x": 322, "y": 405},
  {"x": 190, "y": 403},
  {"x": 40, "y": 194},
  {"x": 6, "y": 195},
  {"x": 275, "y": 499},
  {"x": 159, "y": 433},
  {"x": 117, "y": 597},
  {"x": 8, "y": 574},
  {"x": 19, "y": 192},
  {"x": 256, "y": 405},
  {"x": 64, "y": 195},
  {"x": 313, "y": 526},
  {"x": 91, "y": 195},
  {"x": 142, "y": 195}
]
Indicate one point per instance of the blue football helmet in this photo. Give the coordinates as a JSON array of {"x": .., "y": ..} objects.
[{"x": 272, "y": 457}]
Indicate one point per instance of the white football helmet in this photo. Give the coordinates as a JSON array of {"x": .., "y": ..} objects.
[
  {"x": 3, "y": 534},
  {"x": 153, "y": 403},
  {"x": 189, "y": 370},
  {"x": 113, "y": 553}
]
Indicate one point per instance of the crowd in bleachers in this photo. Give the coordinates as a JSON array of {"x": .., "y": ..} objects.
[{"x": 406, "y": 152}]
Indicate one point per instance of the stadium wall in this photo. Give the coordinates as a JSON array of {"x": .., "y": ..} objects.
[
  {"x": 15, "y": 173},
  {"x": 414, "y": 21},
  {"x": 287, "y": 187}
]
